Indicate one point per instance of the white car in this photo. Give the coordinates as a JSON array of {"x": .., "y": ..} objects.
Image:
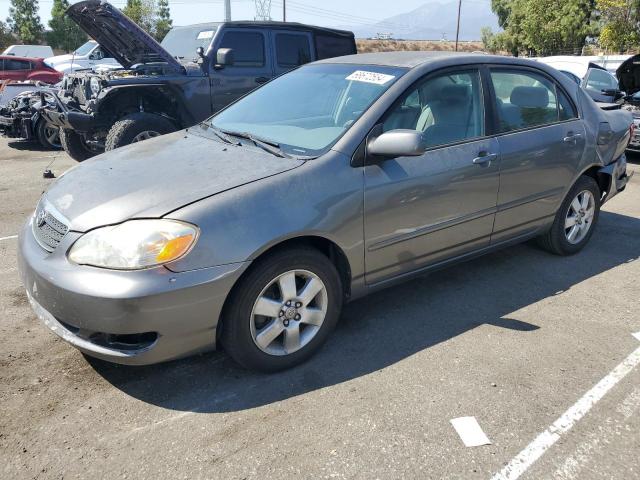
[
  {"x": 29, "y": 51},
  {"x": 89, "y": 55}
]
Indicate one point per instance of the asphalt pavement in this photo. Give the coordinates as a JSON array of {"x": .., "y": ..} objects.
[{"x": 538, "y": 348}]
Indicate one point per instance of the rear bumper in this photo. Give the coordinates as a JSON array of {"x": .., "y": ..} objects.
[
  {"x": 129, "y": 317},
  {"x": 617, "y": 171}
]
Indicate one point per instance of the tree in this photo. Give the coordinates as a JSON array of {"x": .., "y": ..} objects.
[
  {"x": 620, "y": 24},
  {"x": 142, "y": 12},
  {"x": 24, "y": 20},
  {"x": 544, "y": 27},
  {"x": 6, "y": 38},
  {"x": 163, "y": 20},
  {"x": 65, "y": 33}
]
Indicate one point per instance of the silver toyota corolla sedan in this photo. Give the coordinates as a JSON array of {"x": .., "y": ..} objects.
[{"x": 337, "y": 179}]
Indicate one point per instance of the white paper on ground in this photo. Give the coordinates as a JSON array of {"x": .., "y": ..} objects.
[{"x": 470, "y": 431}]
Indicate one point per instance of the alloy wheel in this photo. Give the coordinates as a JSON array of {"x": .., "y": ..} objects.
[
  {"x": 579, "y": 217},
  {"x": 289, "y": 312},
  {"x": 146, "y": 135}
]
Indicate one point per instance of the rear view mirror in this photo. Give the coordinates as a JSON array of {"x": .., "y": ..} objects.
[
  {"x": 397, "y": 143},
  {"x": 200, "y": 52},
  {"x": 224, "y": 57}
]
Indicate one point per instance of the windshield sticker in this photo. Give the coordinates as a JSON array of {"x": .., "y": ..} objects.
[
  {"x": 205, "y": 35},
  {"x": 370, "y": 77}
]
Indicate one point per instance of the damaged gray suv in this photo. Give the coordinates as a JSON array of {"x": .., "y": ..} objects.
[{"x": 344, "y": 176}]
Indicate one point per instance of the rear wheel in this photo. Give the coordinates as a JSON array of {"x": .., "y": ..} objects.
[
  {"x": 76, "y": 146},
  {"x": 137, "y": 127},
  {"x": 283, "y": 310},
  {"x": 575, "y": 220},
  {"x": 48, "y": 136}
]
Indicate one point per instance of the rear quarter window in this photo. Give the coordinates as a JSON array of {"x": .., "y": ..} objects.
[{"x": 328, "y": 46}]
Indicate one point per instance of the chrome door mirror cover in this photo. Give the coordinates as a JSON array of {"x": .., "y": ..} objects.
[{"x": 398, "y": 143}]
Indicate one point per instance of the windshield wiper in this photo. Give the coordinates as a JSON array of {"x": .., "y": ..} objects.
[
  {"x": 219, "y": 133},
  {"x": 267, "y": 145}
]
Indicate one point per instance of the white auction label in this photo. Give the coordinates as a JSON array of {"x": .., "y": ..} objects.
[
  {"x": 205, "y": 34},
  {"x": 370, "y": 77}
]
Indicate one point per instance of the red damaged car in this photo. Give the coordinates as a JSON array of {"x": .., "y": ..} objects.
[{"x": 21, "y": 69}]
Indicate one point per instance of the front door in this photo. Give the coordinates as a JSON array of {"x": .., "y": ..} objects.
[
  {"x": 251, "y": 68},
  {"x": 541, "y": 141},
  {"x": 419, "y": 211}
]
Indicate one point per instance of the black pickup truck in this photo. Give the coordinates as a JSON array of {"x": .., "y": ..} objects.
[{"x": 194, "y": 72}]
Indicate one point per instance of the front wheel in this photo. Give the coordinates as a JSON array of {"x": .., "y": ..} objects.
[
  {"x": 283, "y": 310},
  {"x": 76, "y": 145},
  {"x": 137, "y": 127},
  {"x": 575, "y": 220},
  {"x": 48, "y": 135}
]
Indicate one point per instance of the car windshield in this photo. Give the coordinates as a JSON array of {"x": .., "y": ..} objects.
[
  {"x": 306, "y": 111},
  {"x": 86, "y": 48},
  {"x": 182, "y": 42}
]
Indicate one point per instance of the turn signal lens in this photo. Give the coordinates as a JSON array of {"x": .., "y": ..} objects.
[{"x": 175, "y": 248}]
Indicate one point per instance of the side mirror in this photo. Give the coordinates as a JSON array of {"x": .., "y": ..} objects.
[
  {"x": 397, "y": 143},
  {"x": 224, "y": 57}
]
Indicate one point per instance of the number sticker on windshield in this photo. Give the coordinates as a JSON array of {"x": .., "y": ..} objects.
[
  {"x": 370, "y": 77},
  {"x": 205, "y": 34}
]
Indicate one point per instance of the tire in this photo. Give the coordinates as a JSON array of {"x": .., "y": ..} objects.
[
  {"x": 48, "y": 137},
  {"x": 75, "y": 145},
  {"x": 241, "y": 328},
  {"x": 136, "y": 127},
  {"x": 558, "y": 239}
]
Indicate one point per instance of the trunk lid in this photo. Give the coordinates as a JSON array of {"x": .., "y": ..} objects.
[{"x": 118, "y": 34}]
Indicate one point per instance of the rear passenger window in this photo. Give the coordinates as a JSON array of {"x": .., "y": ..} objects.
[
  {"x": 446, "y": 108},
  {"x": 527, "y": 99},
  {"x": 292, "y": 50},
  {"x": 248, "y": 48},
  {"x": 10, "y": 64}
]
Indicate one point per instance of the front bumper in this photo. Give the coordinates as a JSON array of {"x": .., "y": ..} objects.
[
  {"x": 129, "y": 317},
  {"x": 62, "y": 116}
]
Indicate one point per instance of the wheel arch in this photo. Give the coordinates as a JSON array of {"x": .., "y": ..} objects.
[
  {"x": 324, "y": 245},
  {"x": 603, "y": 179}
]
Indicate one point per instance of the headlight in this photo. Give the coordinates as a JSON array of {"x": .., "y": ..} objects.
[
  {"x": 95, "y": 85},
  {"x": 135, "y": 244}
]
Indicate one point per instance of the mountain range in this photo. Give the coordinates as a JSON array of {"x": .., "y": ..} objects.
[{"x": 433, "y": 21}]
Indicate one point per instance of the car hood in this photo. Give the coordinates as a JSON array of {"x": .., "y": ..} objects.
[
  {"x": 629, "y": 75},
  {"x": 155, "y": 177},
  {"x": 118, "y": 34}
]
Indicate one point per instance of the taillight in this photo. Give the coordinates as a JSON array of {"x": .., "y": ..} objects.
[{"x": 632, "y": 131}]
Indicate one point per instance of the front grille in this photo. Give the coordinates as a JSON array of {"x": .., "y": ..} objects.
[{"x": 49, "y": 228}]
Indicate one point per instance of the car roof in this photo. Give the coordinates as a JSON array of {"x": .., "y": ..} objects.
[
  {"x": 13, "y": 57},
  {"x": 408, "y": 59},
  {"x": 288, "y": 26}
]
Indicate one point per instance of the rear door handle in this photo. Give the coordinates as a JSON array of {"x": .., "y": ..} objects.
[
  {"x": 572, "y": 137},
  {"x": 484, "y": 158},
  {"x": 262, "y": 79}
]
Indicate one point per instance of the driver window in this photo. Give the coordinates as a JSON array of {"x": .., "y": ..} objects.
[{"x": 447, "y": 108}]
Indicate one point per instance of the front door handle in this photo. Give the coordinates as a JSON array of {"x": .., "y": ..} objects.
[
  {"x": 484, "y": 158},
  {"x": 262, "y": 79},
  {"x": 572, "y": 138}
]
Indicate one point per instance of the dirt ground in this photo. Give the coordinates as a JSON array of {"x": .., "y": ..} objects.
[{"x": 514, "y": 339}]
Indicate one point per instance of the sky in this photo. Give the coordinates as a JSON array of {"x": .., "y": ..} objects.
[{"x": 331, "y": 13}]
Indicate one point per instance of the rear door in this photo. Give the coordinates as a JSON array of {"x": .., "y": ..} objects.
[
  {"x": 541, "y": 143},
  {"x": 15, "y": 69},
  {"x": 291, "y": 49},
  {"x": 252, "y": 65}
]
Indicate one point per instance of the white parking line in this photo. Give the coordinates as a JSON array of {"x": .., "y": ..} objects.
[
  {"x": 9, "y": 237},
  {"x": 532, "y": 452}
]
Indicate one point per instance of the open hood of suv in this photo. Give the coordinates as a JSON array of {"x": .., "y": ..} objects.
[
  {"x": 118, "y": 34},
  {"x": 629, "y": 75}
]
